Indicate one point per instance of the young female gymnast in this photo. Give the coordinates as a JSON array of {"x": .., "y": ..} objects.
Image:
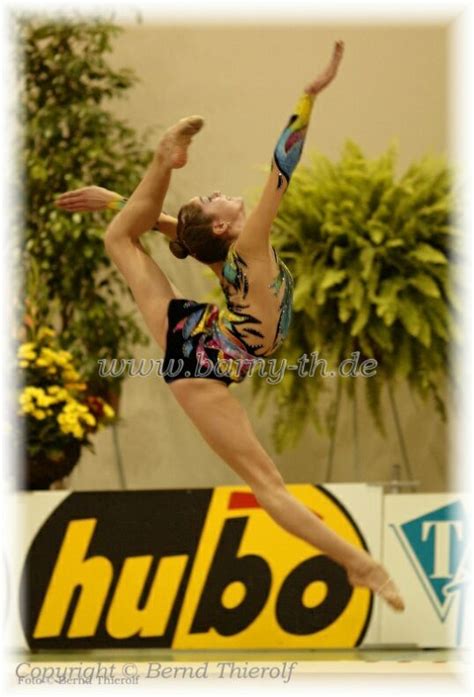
[{"x": 257, "y": 285}]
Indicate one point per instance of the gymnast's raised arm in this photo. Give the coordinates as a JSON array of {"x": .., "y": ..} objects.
[
  {"x": 97, "y": 198},
  {"x": 255, "y": 237}
]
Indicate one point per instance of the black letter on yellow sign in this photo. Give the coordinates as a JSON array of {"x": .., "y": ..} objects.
[
  {"x": 296, "y": 618},
  {"x": 226, "y": 568}
]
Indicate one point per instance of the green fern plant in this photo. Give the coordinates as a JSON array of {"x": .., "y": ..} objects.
[{"x": 369, "y": 254}]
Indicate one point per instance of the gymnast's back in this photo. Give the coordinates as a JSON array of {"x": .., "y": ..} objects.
[{"x": 258, "y": 291}]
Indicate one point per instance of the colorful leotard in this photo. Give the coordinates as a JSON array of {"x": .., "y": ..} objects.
[
  {"x": 205, "y": 341},
  {"x": 242, "y": 325}
]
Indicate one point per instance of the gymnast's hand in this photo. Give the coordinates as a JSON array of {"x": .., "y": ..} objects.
[
  {"x": 329, "y": 73},
  {"x": 86, "y": 199}
]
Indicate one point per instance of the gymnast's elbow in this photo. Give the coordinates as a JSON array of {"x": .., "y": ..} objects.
[
  {"x": 109, "y": 242},
  {"x": 114, "y": 238}
]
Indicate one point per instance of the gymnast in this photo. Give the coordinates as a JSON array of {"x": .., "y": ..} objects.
[{"x": 257, "y": 285}]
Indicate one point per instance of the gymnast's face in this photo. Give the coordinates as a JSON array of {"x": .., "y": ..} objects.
[{"x": 228, "y": 212}]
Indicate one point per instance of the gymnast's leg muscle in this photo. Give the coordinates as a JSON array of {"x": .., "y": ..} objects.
[{"x": 224, "y": 424}]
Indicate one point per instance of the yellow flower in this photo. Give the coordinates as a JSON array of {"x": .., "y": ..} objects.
[
  {"x": 44, "y": 400},
  {"x": 69, "y": 424},
  {"x": 39, "y": 414},
  {"x": 66, "y": 416},
  {"x": 32, "y": 391},
  {"x": 109, "y": 413},
  {"x": 23, "y": 364},
  {"x": 62, "y": 362},
  {"x": 90, "y": 419},
  {"x": 48, "y": 358},
  {"x": 59, "y": 394},
  {"x": 45, "y": 331},
  {"x": 66, "y": 355},
  {"x": 65, "y": 420},
  {"x": 76, "y": 386},
  {"x": 26, "y": 354},
  {"x": 27, "y": 408},
  {"x": 71, "y": 412},
  {"x": 42, "y": 362},
  {"x": 27, "y": 347},
  {"x": 71, "y": 375}
]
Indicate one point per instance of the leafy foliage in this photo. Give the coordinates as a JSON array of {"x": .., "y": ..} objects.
[
  {"x": 370, "y": 256},
  {"x": 71, "y": 139}
]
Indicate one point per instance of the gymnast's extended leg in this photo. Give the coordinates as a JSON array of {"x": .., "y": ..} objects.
[
  {"x": 150, "y": 287},
  {"x": 224, "y": 424}
]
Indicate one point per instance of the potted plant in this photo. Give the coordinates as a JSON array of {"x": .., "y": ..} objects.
[
  {"x": 58, "y": 411},
  {"x": 70, "y": 138},
  {"x": 370, "y": 257}
]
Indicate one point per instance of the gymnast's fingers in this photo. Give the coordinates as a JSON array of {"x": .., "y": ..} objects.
[
  {"x": 65, "y": 204},
  {"x": 70, "y": 204},
  {"x": 77, "y": 207},
  {"x": 72, "y": 195}
]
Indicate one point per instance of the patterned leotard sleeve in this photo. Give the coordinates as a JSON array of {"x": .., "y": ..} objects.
[{"x": 289, "y": 147}]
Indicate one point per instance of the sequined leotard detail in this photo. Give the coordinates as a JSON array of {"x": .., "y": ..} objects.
[{"x": 236, "y": 318}]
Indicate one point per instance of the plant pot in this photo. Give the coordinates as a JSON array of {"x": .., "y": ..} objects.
[{"x": 41, "y": 471}]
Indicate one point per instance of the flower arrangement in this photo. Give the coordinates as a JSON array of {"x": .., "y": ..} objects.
[{"x": 58, "y": 412}]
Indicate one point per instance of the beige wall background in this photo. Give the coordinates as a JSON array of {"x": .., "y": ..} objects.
[{"x": 245, "y": 80}]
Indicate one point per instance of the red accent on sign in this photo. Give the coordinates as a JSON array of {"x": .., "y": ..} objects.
[{"x": 243, "y": 499}]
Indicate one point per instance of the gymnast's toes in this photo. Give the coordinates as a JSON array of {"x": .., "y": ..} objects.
[
  {"x": 190, "y": 125},
  {"x": 177, "y": 139}
]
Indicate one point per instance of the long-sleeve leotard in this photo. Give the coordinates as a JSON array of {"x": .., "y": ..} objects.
[
  {"x": 235, "y": 275},
  {"x": 290, "y": 144}
]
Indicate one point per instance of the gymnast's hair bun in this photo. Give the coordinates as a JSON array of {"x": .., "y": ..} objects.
[{"x": 178, "y": 249}]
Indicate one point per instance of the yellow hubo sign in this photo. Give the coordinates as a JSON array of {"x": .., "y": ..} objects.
[
  {"x": 189, "y": 569},
  {"x": 274, "y": 589},
  {"x": 95, "y": 575}
]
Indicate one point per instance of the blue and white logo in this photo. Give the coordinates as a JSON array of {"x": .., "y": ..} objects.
[{"x": 437, "y": 545}]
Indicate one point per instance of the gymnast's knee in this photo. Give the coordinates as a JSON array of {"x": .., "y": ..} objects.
[{"x": 265, "y": 479}]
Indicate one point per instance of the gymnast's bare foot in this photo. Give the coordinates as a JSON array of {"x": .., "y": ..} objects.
[
  {"x": 372, "y": 574},
  {"x": 173, "y": 147}
]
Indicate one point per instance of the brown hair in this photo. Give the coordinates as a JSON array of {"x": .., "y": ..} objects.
[{"x": 194, "y": 236}]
